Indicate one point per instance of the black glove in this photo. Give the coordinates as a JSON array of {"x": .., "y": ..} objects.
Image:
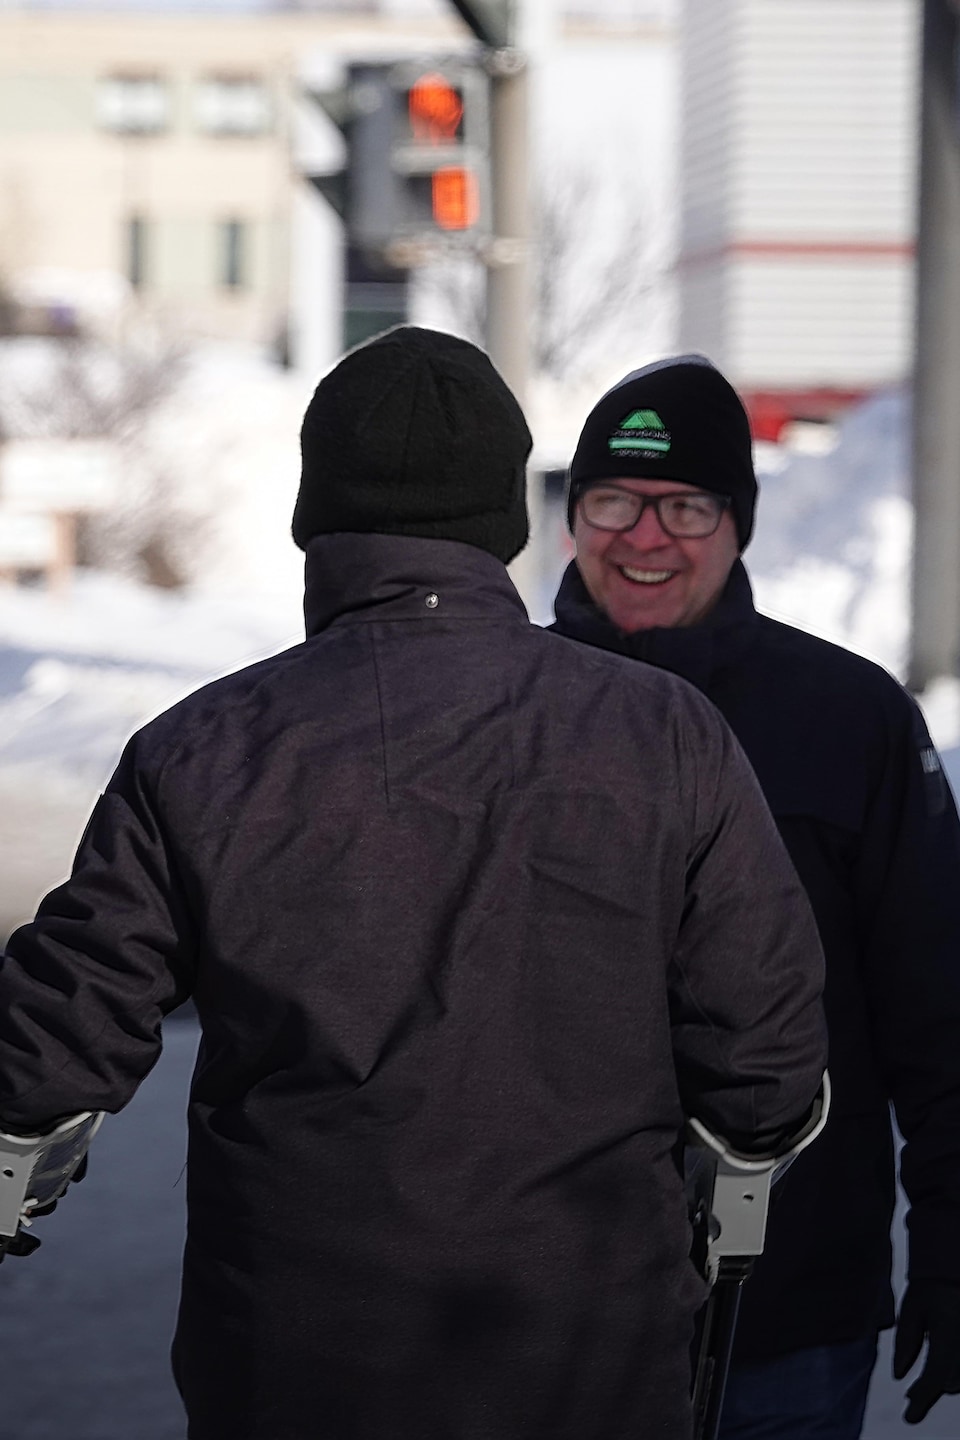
[
  {"x": 930, "y": 1311},
  {"x": 23, "y": 1243}
]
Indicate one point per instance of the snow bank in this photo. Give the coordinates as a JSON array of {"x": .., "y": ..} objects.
[
  {"x": 834, "y": 532},
  {"x": 78, "y": 674}
]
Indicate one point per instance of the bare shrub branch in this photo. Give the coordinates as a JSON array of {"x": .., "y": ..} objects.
[
  {"x": 80, "y": 388},
  {"x": 597, "y": 273}
]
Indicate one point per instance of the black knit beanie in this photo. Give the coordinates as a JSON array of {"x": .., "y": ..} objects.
[
  {"x": 677, "y": 419},
  {"x": 415, "y": 433}
]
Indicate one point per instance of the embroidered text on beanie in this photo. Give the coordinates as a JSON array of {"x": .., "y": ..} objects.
[
  {"x": 415, "y": 433},
  {"x": 678, "y": 419}
]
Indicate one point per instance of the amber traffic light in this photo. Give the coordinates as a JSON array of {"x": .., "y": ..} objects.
[{"x": 456, "y": 198}]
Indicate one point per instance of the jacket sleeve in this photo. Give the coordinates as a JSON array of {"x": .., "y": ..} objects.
[
  {"x": 908, "y": 899},
  {"x": 84, "y": 986},
  {"x": 749, "y": 1034}
]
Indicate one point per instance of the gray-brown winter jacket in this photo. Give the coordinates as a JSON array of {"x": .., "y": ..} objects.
[{"x": 471, "y": 914}]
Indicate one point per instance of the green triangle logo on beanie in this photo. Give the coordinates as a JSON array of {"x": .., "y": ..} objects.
[
  {"x": 640, "y": 432},
  {"x": 642, "y": 420}
]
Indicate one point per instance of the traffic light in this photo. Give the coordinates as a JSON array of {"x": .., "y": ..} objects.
[
  {"x": 417, "y": 175},
  {"x": 431, "y": 148}
]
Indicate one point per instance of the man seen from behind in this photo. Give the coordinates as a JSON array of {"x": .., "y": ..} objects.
[{"x": 472, "y": 916}]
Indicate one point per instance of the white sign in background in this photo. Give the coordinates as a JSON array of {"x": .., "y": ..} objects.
[
  {"x": 27, "y": 542},
  {"x": 64, "y": 476}
]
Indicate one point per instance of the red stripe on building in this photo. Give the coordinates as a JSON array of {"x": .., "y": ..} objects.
[
  {"x": 771, "y": 410},
  {"x": 802, "y": 250}
]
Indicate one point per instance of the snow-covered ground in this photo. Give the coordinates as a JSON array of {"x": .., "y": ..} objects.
[
  {"x": 832, "y": 548},
  {"x": 834, "y": 529},
  {"x": 79, "y": 672}
]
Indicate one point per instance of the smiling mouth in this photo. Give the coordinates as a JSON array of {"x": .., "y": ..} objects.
[{"x": 645, "y": 577}]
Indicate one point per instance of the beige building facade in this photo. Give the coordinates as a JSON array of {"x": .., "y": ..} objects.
[{"x": 146, "y": 161}]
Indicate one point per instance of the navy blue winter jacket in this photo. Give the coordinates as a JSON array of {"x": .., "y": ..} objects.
[{"x": 855, "y": 785}]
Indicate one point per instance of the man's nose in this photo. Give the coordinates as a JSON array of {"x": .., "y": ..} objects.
[{"x": 648, "y": 532}]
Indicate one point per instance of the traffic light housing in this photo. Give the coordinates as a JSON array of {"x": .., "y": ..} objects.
[
  {"x": 417, "y": 173},
  {"x": 442, "y": 178},
  {"x": 492, "y": 21}
]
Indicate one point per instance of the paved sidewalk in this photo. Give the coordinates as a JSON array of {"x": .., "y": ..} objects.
[{"x": 86, "y": 1322}]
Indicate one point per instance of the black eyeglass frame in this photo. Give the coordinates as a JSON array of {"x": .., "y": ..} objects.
[{"x": 723, "y": 503}]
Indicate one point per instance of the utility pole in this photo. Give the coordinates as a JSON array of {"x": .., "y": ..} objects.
[
  {"x": 935, "y": 640},
  {"x": 507, "y": 257},
  {"x": 508, "y": 260},
  {"x": 506, "y": 254}
]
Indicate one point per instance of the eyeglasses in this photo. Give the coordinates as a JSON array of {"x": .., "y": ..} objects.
[{"x": 685, "y": 515}]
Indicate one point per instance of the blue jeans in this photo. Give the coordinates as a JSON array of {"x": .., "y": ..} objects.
[{"x": 815, "y": 1394}]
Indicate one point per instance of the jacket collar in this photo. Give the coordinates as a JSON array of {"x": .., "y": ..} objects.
[
  {"x": 694, "y": 652},
  {"x": 392, "y": 577}
]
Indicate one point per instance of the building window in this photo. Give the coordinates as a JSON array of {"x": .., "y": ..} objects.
[
  {"x": 133, "y": 104},
  {"x": 233, "y": 254},
  {"x": 136, "y": 251},
  {"x": 232, "y": 105}
]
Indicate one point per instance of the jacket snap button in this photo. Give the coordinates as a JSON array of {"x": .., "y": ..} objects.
[{"x": 432, "y": 601}]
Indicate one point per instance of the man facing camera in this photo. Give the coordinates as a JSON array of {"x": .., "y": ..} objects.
[{"x": 661, "y": 505}]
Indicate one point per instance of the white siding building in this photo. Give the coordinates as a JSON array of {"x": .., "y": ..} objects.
[{"x": 798, "y": 164}]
